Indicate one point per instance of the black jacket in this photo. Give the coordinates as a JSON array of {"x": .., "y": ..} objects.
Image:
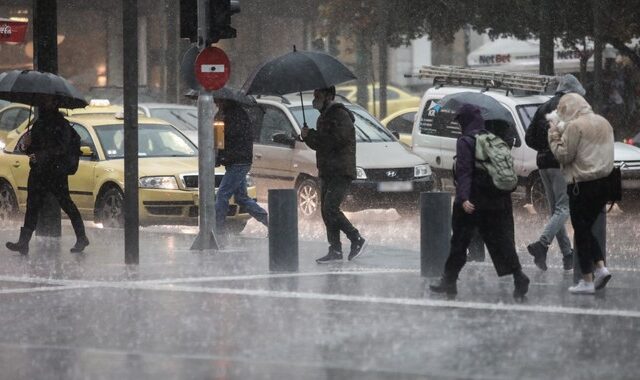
[
  {"x": 536, "y": 136},
  {"x": 238, "y": 137},
  {"x": 334, "y": 141},
  {"x": 50, "y": 139}
]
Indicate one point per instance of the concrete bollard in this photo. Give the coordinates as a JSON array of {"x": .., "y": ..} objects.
[
  {"x": 599, "y": 229},
  {"x": 283, "y": 230},
  {"x": 435, "y": 232}
]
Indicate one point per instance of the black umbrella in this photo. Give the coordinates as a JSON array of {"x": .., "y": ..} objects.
[
  {"x": 36, "y": 87},
  {"x": 497, "y": 117},
  {"x": 296, "y": 72}
]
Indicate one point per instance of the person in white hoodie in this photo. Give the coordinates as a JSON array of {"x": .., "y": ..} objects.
[{"x": 582, "y": 142}]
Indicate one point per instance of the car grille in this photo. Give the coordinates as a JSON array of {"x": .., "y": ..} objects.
[
  {"x": 191, "y": 181},
  {"x": 401, "y": 174},
  {"x": 629, "y": 165}
]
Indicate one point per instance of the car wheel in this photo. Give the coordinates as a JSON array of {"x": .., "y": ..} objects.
[
  {"x": 8, "y": 203},
  {"x": 308, "y": 198},
  {"x": 235, "y": 227},
  {"x": 538, "y": 197},
  {"x": 110, "y": 209},
  {"x": 437, "y": 183}
]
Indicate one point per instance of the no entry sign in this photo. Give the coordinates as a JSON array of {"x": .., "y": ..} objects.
[
  {"x": 212, "y": 68},
  {"x": 12, "y": 32}
]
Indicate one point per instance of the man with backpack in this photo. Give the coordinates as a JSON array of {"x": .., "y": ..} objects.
[
  {"x": 484, "y": 180},
  {"x": 53, "y": 147}
]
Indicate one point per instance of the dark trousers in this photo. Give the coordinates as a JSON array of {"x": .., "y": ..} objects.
[
  {"x": 332, "y": 193},
  {"x": 586, "y": 202},
  {"x": 497, "y": 232},
  {"x": 39, "y": 184}
]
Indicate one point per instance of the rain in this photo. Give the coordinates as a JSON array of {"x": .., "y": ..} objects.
[{"x": 182, "y": 295}]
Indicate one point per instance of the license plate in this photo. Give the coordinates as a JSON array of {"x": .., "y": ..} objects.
[
  {"x": 395, "y": 186},
  {"x": 631, "y": 183}
]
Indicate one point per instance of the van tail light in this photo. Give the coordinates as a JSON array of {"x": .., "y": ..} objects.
[{"x": 629, "y": 141}]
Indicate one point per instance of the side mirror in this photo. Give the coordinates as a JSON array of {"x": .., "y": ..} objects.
[
  {"x": 87, "y": 151},
  {"x": 284, "y": 139}
]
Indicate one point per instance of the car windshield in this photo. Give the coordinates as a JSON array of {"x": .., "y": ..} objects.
[
  {"x": 154, "y": 140},
  {"x": 526, "y": 113},
  {"x": 368, "y": 129},
  {"x": 185, "y": 119}
]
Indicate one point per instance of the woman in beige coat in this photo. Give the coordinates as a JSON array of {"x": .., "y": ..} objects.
[{"x": 582, "y": 141}]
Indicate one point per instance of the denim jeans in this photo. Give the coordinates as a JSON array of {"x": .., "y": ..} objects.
[
  {"x": 234, "y": 183},
  {"x": 555, "y": 187}
]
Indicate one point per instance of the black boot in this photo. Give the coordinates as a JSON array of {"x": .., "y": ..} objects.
[
  {"x": 22, "y": 245},
  {"x": 81, "y": 243},
  {"x": 447, "y": 284},
  {"x": 539, "y": 253},
  {"x": 521, "y": 284}
]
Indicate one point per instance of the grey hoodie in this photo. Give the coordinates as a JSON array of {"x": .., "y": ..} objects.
[{"x": 568, "y": 83}]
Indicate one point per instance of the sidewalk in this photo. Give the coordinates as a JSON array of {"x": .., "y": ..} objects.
[{"x": 185, "y": 314}]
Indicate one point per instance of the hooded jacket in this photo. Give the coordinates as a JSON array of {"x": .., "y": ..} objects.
[
  {"x": 334, "y": 141},
  {"x": 584, "y": 145},
  {"x": 50, "y": 139},
  {"x": 471, "y": 182},
  {"x": 536, "y": 136}
]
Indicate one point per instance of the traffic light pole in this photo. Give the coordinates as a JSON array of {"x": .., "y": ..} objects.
[{"x": 206, "y": 238}]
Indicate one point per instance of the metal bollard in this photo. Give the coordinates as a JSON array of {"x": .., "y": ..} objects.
[
  {"x": 283, "y": 230},
  {"x": 599, "y": 229},
  {"x": 435, "y": 232}
]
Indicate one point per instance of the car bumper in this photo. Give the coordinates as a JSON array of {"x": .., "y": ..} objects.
[
  {"x": 365, "y": 194},
  {"x": 179, "y": 207}
]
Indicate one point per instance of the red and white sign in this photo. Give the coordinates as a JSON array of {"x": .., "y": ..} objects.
[
  {"x": 13, "y": 32},
  {"x": 212, "y": 68}
]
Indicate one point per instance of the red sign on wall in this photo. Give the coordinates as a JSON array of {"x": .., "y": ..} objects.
[
  {"x": 212, "y": 68},
  {"x": 13, "y": 32}
]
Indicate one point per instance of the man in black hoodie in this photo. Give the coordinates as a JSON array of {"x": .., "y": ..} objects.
[
  {"x": 334, "y": 141},
  {"x": 479, "y": 205},
  {"x": 555, "y": 186}
]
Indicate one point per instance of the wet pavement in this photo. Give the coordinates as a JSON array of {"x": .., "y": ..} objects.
[{"x": 222, "y": 315}]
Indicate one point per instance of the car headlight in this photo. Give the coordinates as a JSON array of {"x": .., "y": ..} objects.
[
  {"x": 360, "y": 174},
  {"x": 2, "y": 144},
  {"x": 421, "y": 171},
  {"x": 250, "y": 182},
  {"x": 167, "y": 183}
]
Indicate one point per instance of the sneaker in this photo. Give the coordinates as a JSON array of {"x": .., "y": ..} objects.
[
  {"x": 332, "y": 256},
  {"x": 583, "y": 288},
  {"x": 601, "y": 277},
  {"x": 521, "y": 284},
  {"x": 539, "y": 253},
  {"x": 357, "y": 247},
  {"x": 445, "y": 285},
  {"x": 567, "y": 262}
]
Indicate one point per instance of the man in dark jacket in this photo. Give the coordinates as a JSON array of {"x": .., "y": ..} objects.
[
  {"x": 334, "y": 141},
  {"x": 555, "y": 186},
  {"x": 237, "y": 158},
  {"x": 479, "y": 204},
  {"x": 47, "y": 144}
]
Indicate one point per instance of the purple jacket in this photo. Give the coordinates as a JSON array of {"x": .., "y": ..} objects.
[{"x": 471, "y": 122}]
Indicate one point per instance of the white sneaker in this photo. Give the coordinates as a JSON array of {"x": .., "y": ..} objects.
[
  {"x": 583, "y": 288},
  {"x": 601, "y": 277}
]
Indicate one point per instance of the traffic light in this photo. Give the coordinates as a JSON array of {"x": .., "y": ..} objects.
[{"x": 221, "y": 12}]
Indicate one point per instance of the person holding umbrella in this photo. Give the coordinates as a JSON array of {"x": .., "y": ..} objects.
[
  {"x": 237, "y": 158},
  {"x": 334, "y": 141},
  {"x": 47, "y": 145}
]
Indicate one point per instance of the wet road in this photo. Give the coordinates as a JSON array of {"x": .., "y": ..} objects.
[{"x": 223, "y": 315}]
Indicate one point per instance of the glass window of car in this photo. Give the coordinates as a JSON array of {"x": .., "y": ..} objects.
[
  {"x": 184, "y": 119},
  {"x": 368, "y": 129},
  {"x": 391, "y": 94},
  {"x": 85, "y": 138},
  {"x": 154, "y": 140},
  {"x": 13, "y": 118},
  {"x": 402, "y": 123},
  {"x": 526, "y": 113},
  {"x": 274, "y": 121}
]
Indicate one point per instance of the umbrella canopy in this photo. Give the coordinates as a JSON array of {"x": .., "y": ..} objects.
[
  {"x": 35, "y": 88},
  {"x": 229, "y": 93},
  {"x": 498, "y": 119},
  {"x": 295, "y": 72}
]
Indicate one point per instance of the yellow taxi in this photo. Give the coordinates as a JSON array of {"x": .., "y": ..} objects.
[
  {"x": 168, "y": 170},
  {"x": 397, "y": 99},
  {"x": 12, "y": 116},
  {"x": 401, "y": 124}
]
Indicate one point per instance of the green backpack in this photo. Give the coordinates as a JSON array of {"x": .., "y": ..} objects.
[{"x": 494, "y": 156}]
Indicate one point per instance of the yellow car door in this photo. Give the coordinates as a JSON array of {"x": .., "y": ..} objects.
[
  {"x": 19, "y": 170},
  {"x": 82, "y": 183}
]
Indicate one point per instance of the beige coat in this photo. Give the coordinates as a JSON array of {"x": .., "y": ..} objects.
[{"x": 582, "y": 141}]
